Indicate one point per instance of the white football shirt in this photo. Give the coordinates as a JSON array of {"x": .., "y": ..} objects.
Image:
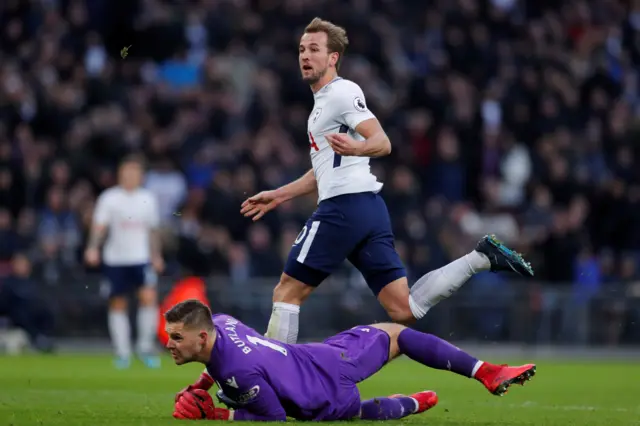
[
  {"x": 129, "y": 217},
  {"x": 338, "y": 108}
]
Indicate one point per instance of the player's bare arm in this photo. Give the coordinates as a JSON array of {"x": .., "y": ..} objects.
[
  {"x": 376, "y": 143},
  {"x": 96, "y": 238},
  {"x": 262, "y": 203},
  {"x": 306, "y": 184},
  {"x": 155, "y": 248}
]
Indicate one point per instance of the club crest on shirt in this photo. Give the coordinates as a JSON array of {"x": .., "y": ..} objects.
[
  {"x": 316, "y": 114},
  {"x": 359, "y": 104}
]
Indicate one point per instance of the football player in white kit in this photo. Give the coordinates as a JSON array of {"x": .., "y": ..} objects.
[
  {"x": 126, "y": 219},
  {"x": 352, "y": 221}
]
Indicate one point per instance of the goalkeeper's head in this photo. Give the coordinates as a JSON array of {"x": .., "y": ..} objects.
[{"x": 191, "y": 332}]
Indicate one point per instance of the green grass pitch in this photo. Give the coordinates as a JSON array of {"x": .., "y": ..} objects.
[{"x": 86, "y": 390}]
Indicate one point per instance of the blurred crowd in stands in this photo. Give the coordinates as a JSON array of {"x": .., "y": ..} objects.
[{"x": 515, "y": 117}]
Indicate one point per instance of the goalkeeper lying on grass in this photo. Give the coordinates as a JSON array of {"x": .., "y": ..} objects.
[{"x": 269, "y": 381}]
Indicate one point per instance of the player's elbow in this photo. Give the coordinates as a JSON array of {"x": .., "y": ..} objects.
[{"x": 386, "y": 147}]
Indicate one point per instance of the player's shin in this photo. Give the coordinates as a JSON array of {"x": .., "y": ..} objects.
[
  {"x": 147, "y": 328},
  {"x": 120, "y": 332},
  {"x": 434, "y": 352},
  {"x": 284, "y": 322},
  {"x": 387, "y": 408},
  {"x": 440, "y": 284}
]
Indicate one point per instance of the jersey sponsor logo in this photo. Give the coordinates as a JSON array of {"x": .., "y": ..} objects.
[
  {"x": 249, "y": 395},
  {"x": 359, "y": 104},
  {"x": 316, "y": 114}
]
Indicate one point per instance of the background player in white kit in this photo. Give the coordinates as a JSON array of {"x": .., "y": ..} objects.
[
  {"x": 351, "y": 221},
  {"x": 127, "y": 216}
]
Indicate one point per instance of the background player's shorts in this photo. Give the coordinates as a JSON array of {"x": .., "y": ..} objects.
[
  {"x": 364, "y": 350},
  {"x": 351, "y": 226},
  {"x": 126, "y": 279}
]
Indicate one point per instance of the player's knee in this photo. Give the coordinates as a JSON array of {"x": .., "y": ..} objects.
[
  {"x": 147, "y": 297},
  {"x": 290, "y": 290},
  {"x": 394, "y": 297},
  {"x": 401, "y": 314},
  {"x": 118, "y": 303},
  {"x": 393, "y": 330}
]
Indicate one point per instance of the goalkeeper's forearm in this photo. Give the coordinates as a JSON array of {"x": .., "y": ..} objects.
[
  {"x": 306, "y": 184},
  {"x": 204, "y": 382}
]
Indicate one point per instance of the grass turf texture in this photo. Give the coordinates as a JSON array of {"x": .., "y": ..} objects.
[{"x": 86, "y": 390}]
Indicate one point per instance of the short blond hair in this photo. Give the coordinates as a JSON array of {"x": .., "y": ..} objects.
[{"x": 337, "y": 40}]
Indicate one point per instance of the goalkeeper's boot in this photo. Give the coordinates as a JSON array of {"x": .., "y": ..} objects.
[
  {"x": 230, "y": 403},
  {"x": 122, "y": 362},
  {"x": 502, "y": 258},
  {"x": 424, "y": 400},
  {"x": 498, "y": 378}
]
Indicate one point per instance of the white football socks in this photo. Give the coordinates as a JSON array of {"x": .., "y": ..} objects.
[
  {"x": 147, "y": 328},
  {"x": 476, "y": 368},
  {"x": 120, "y": 332},
  {"x": 284, "y": 322},
  {"x": 440, "y": 284}
]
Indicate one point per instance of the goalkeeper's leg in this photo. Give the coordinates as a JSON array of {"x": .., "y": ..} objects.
[{"x": 397, "y": 406}]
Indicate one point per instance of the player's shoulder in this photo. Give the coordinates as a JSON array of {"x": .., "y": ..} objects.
[
  {"x": 224, "y": 320},
  {"x": 111, "y": 193},
  {"x": 233, "y": 327},
  {"x": 345, "y": 83},
  {"x": 346, "y": 87},
  {"x": 346, "y": 92},
  {"x": 145, "y": 194}
]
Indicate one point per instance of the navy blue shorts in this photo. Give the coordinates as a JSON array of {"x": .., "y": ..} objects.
[
  {"x": 351, "y": 226},
  {"x": 123, "y": 280}
]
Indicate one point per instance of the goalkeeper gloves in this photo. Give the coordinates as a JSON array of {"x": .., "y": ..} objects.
[
  {"x": 197, "y": 405},
  {"x": 205, "y": 382}
]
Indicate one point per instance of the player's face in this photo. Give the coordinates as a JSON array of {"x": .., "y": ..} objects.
[
  {"x": 314, "y": 57},
  {"x": 185, "y": 344},
  {"x": 130, "y": 175}
]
